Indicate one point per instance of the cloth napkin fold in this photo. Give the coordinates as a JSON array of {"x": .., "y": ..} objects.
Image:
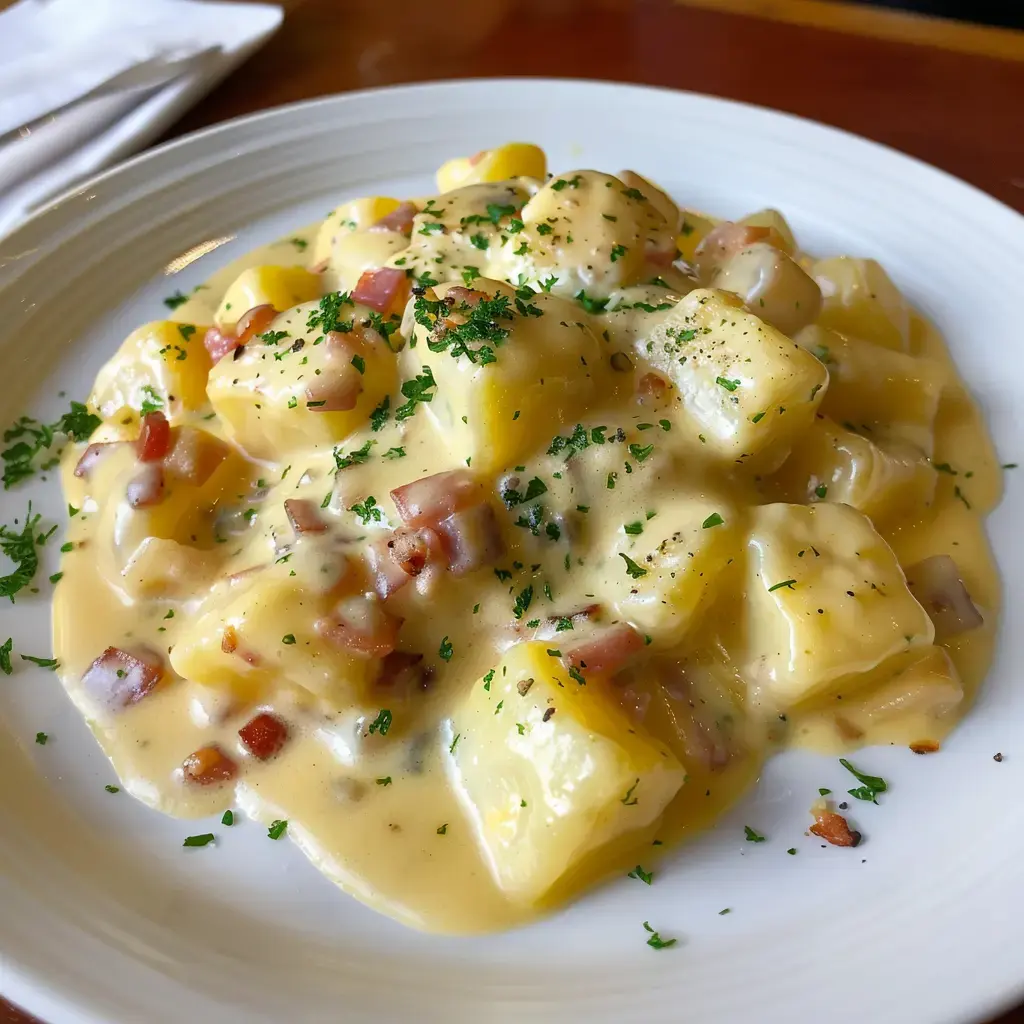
[{"x": 54, "y": 51}]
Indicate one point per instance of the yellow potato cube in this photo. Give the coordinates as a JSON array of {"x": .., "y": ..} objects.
[
  {"x": 884, "y": 481},
  {"x": 826, "y": 598},
  {"x": 161, "y": 365},
  {"x": 294, "y": 388},
  {"x": 547, "y": 369},
  {"x": 549, "y": 770},
  {"x": 744, "y": 388},
  {"x": 355, "y": 215},
  {"x": 280, "y": 287},
  {"x": 513, "y": 160},
  {"x": 875, "y": 390},
  {"x": 859, "y": 298},
  {"x": 684, "y": 551},
  {"x": 236, "y": 642}
]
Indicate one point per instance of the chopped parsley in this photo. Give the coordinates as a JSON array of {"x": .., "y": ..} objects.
[
  {"x": 288, "y": 638},
  {"x": 632, "y": 569},
  {"x": 871, "y": 786},
  {"x": 451, "y": 749},
  {"x": 386, "y": 781},
  {"x": 20, "y": 548},
  {"x": 655, "y": 940},
  {"x": 443, "y": 829},
  {"x": 175, "y": 300},
  {"x": 445, "y": 651},
  {"x": 633, "y": 529},
  {"x": 629, "y": 800},
  {"x": 790, "y": 584},
  {"x": 590, "y": 304},
  {"x": 50, "y": 663},
  {"x": 277, "y": 828},
  {"x": 117, "y": 789},
  {"x": 382, "y": 722},
  {"x": 31, "y": 437},
  {"x": 481, "y": 327},
  {"x": 5, "y": 656},
  {"x": 640, "y": 452},
  {"x": 206, "y": 838},
  {"x": 480, "y": 242},
  {"x": 228, "y": 818},
  {"x": 644, "y": 876},
  {"x": 729, "y": 385},
  {"x": 41, "y": 738},
  {"x": 618, "y": 251},
  {"x": 752, "y": 836},
  {"x": 153, "y": 402},
  {"x": 359, "y": 363},
  {"x": 394, "y": 453},
  {"x": 368, "y": 511},
  {"x": 416, "y": 391},
  {"x": 563, "y": 183},
  {"x": 354, "y": 458},
  {"x": 326, "y": 317},
  {"x": 712, "y": 520},
  {"x": 522, "y": 602},
  {"x": 821, "y": 490}
]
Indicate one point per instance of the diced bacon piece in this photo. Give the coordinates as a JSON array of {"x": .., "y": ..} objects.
[
  {"x": 146, "y": 488},
  {"x": 606, "y": 651},
  {"x": 477, "y": 157},
  {"x": 335, "y": 392},
  {"x": 362, "y": 626},
  {"x": 427, "y": 501},
  {"x": 118, "y": 678},
  {"x": 401, "y": 668},
  {"x": 219, "y": 343},
  {"x": 264, "y": 735},
  {"x": 652, "y": 389},
  {"x": 384, "y": 290},
  {"x": 925, "y": 746},
  {"x": 401, "y": 557},
  {"x": 93, "y": 454},
  {"x": 471, "y": 538},
  {"x": 304, "y": 516},
  {"x": 834, "y": 829},
  {"x": 208, "y": 766},
  {"x": 727, "y": 239},
  {"x": 399, "y": 219},
  {"x": 195, "y": 455},
  {"x": 936, "y": 584},
  {"x": 254, "y": 321},
  {"x": 229, "y": 645},
  {"x": 155, "y": 437}
]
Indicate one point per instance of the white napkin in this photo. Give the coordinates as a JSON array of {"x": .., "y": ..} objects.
[{"x": 54, "y": 51}]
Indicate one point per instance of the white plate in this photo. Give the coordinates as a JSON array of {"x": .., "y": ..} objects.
[{"x": 106, "y": 918}]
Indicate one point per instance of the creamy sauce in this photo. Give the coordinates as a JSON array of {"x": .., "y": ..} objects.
[{"x": 471, "y": 804}]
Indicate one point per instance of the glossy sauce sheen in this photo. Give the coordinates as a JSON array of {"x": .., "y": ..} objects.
[{"x": 458, "y": 818}]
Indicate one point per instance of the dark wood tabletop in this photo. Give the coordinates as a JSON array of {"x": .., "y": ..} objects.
[{"x": 947, "y": 92}]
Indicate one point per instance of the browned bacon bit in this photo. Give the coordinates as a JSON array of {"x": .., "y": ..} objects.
[
  {"x": 229, "y": 645},
  {"x": 92, "y": 455},
  {"x": 154, "y": 438},
  {"x": 471, "y": 538},
  {"x": 384, "y": 290},
  {"x": 834, "y": 829},
  {"x": 146, "y": 488},
  {"x": 652, "y": 388},
  {"x": 119, "y": 678},
  {"x": 399, "y": 219},
  {"x": 195, "y": 455},
  {"x": 219, "y": 343},
  {"x": 402, "y": 556},
  {"x": 402, "y": 668},
  {"x": 361, "y": 626},
  {"x": 925, "y": 747},
  {"x": 208, "y": 766},
  {"x": 606, "y": 651},
  {"x": 304, "y": 516},
  {"x": 425, "y": 502},
  {"x": 254, "y": 321},
  {"x": 465, "y": 296},
  {"x": 264, "y": 735},
  {"x": 548, "y": 715}
]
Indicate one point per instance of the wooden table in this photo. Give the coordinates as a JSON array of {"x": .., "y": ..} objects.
[{"x": 951, "y": 94}]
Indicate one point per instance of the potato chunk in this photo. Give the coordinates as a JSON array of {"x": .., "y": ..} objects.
[
  {"x": 859, "y": 298},
  {"x": 548, "y": 367},
  {"x": 297, "y": 386},
  {"x": 746, "y": 389},
  {"x": 831, "y": 463},
  {"x": 280, "y": 287},
  {"x": 877, "y": 390},
  {"x": 549, "y": 770},
  {"x": 826, "y": 598},
  {"x": 684, "y": 552},
  {"x": 161, "y": 365},
  {"x": 513, "y": 160},
  {"x": 237, "y": 643},
  {"x": 355, "y": 215}
]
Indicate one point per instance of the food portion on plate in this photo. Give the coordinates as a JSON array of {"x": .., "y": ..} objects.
[{"x": 488, "y": 542}]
